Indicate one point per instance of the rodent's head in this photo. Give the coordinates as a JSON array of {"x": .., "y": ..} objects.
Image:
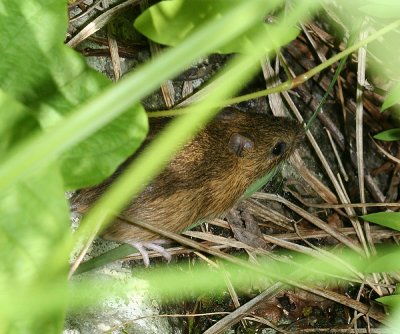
[{"x": 257, "y": 142}]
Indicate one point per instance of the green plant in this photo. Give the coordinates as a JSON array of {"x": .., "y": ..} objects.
[{"x": 64, "y": 126}]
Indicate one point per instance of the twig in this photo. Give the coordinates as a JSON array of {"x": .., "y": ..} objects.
[{"x": 98, "y": 23}]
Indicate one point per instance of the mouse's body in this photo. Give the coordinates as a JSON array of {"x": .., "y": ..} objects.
[{"x": 206, "y": 178}]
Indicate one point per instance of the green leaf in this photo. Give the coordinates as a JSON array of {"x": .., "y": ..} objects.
[
  {"x": 55, "y": 80},
  {"x": 29, "y": 28},
  {"x": 387, "y": 260},
  {"x": 393, "y": 300},
  {"x": 34, "y": 221},
  {"x": 89, "y": 162},
  {"x": 97, "y": 157},
  {"x": 114, "y": 254},
  {"x": 15, "y": 123},
  {"x": 388, "y": 219},
  {"x": 42, "y": 81},
  {"x": 170, "y": 22},
  {"x": 389, "y": 135},
  {"x": 392, "y": 98},
  {"x": 382, "y": 9},
  {"x": 257, "y": 185}
]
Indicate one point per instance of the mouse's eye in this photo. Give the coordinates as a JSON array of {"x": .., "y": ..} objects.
[{"x": 279, "y": 148}]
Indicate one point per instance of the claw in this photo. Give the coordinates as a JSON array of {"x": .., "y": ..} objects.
[
  {"x": 143, "y": 252},
  {"x": 143, "y": 248}
]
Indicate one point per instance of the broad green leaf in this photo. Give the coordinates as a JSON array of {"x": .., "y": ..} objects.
[
  {"x": 89, "y": 162},
  {"x": 388, "y": 219},
  {"x": 378, "y": 2},
  {"x": 393, "y": 300},
  {"x": 30, "y": 33},
  {"x": 170, "y": 22},
  {"x": 392, "y": 98},
  {"x": 383, "y": 10},
  {"x": 42, "y": 80},
  {"x": 95, "y": 158},
  {"x": 51, "y": 80},
  {"x": 388, "y": 135},
  {"x": 387, "y": 260},
  {"x": 384, "y": 60},
  {"x": 34, "y": 221},
  {"x": 393, "y": 323},
  {"x": 15, "y": 123}
]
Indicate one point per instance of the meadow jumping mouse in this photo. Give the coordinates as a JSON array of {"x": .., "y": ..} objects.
[{"x": 205, "y": 179}]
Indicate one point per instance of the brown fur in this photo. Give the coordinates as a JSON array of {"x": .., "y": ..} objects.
[{"x": 205, "y": 179}]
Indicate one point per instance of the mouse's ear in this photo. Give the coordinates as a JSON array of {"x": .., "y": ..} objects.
[{"x": 239, "y": 143}]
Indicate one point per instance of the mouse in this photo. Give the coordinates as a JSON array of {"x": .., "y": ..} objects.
[{"x": 204, "y": 180}]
